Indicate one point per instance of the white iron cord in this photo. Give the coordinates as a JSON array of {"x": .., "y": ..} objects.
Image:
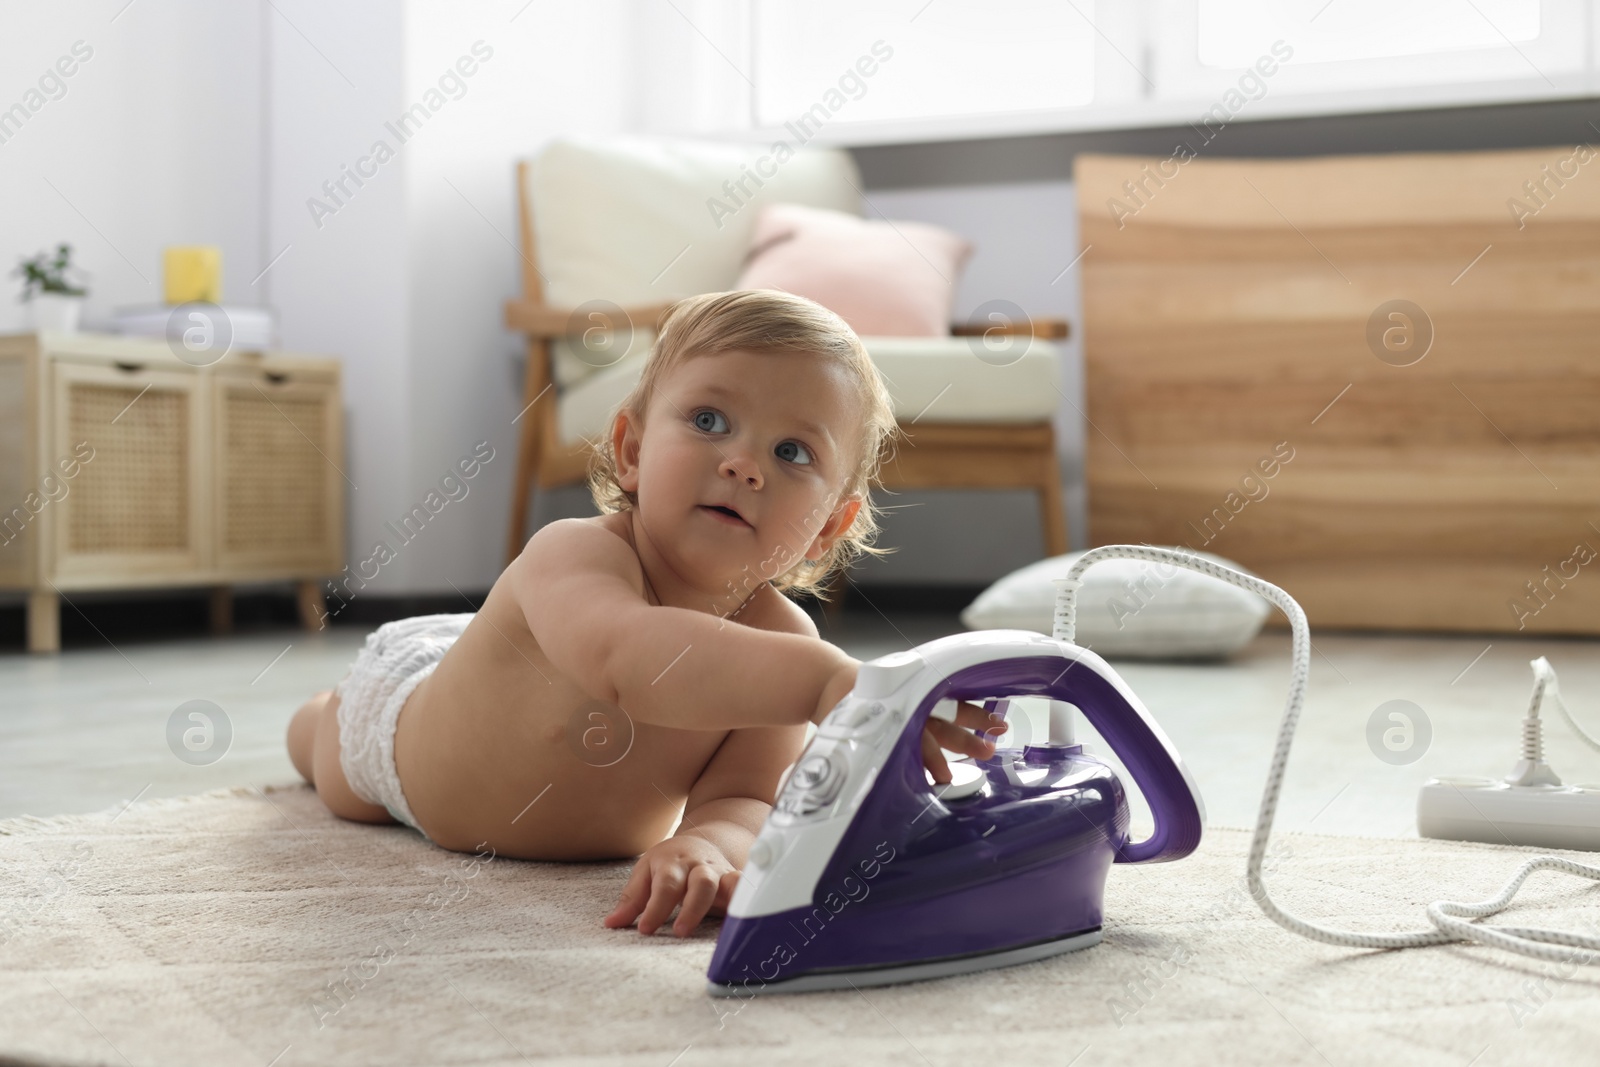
[
  {"x": 1448, "y": 917},
  {"x": 1545, "y": 687}
]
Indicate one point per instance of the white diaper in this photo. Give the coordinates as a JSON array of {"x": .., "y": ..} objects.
[{"x": 397, "y": 657}]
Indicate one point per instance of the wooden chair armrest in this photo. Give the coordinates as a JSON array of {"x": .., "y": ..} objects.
[
  {"x": 543, "y": 321},
  {"x": 1049, "y": 329}
]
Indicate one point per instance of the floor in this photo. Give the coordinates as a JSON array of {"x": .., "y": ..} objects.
[{"x": 99, "y": 725}]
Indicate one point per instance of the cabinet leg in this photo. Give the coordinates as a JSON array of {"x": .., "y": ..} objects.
[
  {"x": 44, "y": 622},
  {"x": 1052, "y": 508},
  {"x": 313, "y": 612},
  {"x": 222, "y": 609}
]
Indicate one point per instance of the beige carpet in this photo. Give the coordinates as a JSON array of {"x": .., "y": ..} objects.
[{"x": 211, "y": 930}]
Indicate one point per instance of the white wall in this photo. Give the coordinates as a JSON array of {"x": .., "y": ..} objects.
[
  {"x": 406, "y": 279},
  {"x": 558, "y": 68},
  {"x": 156, "y": 141},
  {"x": 336, "y": 75}
]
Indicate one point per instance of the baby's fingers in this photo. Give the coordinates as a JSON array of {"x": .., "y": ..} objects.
[
  {"x": 933, "y": 759},
  {"x": 633, "y": 898},
  {"x": 697, "y": 899},
  {"x": 953, "y": 737},
  {"x": 991, "y": 725},
  {"x": 665, "y": 893},
  {"x": 726, "y": 885}
]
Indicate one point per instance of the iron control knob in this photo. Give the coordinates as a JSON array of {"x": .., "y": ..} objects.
[
  {"x": 815, "y": 782},
  {"x": 812, "y": 772}
]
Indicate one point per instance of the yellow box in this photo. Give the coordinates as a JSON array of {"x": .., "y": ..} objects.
[{"x": 193, "y": 273}]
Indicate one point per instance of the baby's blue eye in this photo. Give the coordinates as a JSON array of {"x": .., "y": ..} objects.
[
  {"x": 710, "y": 422},
  {"x": 792, "y": 451}
]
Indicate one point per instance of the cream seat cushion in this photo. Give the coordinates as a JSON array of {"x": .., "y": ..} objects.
[
  {"x": 936, "y": 379},
  {"x": 638, "y": 221}
]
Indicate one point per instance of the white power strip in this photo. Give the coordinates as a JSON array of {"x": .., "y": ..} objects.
[
  {"x": 1529, "y": 806},
  {"x": 1483, "y": 809}
]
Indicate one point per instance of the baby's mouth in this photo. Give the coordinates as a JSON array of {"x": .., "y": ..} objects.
[{"x": 722, "y": 513}]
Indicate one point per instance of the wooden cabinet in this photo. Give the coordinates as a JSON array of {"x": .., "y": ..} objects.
[
  {"x": 1361, "y": 377},
  {"x": 277, "y": 469},
  {"x": 123, "y": 466}
]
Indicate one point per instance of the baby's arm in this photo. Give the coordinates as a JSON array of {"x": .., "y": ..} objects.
[
  {"x": 698, "y": 867},
  {"x": 663, "y": 665}
]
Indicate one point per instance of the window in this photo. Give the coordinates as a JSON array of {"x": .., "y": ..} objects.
[
  {"x": 1232, "y": 33},
  {"x": 907, "y": 70},
  {"x": 1366, "y": 45},
  {"x": 926, "y": 57}
]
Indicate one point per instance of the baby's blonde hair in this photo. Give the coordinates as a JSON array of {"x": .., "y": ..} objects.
[{"x": 764, "y": 320}]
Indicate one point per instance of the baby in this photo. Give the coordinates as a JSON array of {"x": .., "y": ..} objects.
[{"x": 645, "y": 664}]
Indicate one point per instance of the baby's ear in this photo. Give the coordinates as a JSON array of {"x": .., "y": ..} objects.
[
  {"x": 626, "y": 434},
  {"x": 837, "y": 525}
]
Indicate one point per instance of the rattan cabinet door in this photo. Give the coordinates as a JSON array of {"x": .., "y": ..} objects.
[
  {"x": 279, "y": 487},
  {"x": 137, "y": 511}
]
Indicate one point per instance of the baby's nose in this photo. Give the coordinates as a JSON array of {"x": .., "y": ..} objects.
[{"x": 740, "y": 466}]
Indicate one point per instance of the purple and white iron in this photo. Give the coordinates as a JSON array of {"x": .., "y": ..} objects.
[{"x": 865, "y": 874}]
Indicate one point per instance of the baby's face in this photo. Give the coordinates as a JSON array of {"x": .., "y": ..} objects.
[{"x": 742, "y": 460}]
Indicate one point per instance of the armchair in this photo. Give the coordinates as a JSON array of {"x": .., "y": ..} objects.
[{"x": 614, "y": 230}]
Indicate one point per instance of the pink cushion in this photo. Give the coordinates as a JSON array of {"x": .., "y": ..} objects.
[{"x": 884, "y": 279}]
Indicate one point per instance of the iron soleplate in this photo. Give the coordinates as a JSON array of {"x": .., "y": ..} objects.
[{"x": 857, "y": 978}]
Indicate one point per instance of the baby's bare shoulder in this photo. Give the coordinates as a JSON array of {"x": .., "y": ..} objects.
[
  {"x": 600, "y": 533},
  {"x": 577, "y": 547},
  {"x": 576, "y": 569}
]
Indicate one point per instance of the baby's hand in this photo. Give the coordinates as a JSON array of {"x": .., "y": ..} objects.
[
  {"x": 684, "y": 870},
  {"x": 938, "y": 734}
]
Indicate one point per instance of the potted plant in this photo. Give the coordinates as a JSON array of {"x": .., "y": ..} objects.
[{"x": 57, "y": 302}]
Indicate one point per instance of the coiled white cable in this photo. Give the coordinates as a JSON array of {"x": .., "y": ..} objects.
[{"x": 1448, "y": 917}]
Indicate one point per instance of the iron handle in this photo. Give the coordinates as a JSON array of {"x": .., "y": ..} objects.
[{"x": 1143, "y": 748}]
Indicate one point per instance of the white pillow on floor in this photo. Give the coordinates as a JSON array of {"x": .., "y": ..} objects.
[{"x": 1129, "y": 607}]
